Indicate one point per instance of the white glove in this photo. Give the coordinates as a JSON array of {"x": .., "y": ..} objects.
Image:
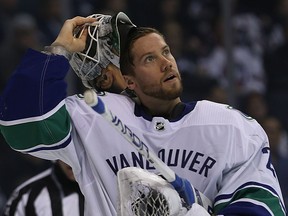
[{"x": 197, "y": 210}]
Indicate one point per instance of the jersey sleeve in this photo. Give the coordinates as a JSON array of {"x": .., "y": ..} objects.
[
  {"x": 33, "y": 116},
  {"x": 249, "y": 184}
]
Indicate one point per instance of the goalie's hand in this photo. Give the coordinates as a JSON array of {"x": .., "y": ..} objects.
[
  {"x": 190, "y": 194},
  {"x": 66, "y": 37},
  {"x": 197, "y": 210}
]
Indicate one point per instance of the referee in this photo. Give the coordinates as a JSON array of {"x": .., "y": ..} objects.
[{"x": 53, "y": 192}]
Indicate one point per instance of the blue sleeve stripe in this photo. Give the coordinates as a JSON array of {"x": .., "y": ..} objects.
[{"x": 51, "y": 147}]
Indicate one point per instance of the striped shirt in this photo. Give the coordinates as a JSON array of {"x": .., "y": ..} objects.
[{"x": 49, "y": 193}]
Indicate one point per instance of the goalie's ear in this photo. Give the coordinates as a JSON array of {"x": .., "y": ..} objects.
[
  {"x": 102, "y": 82},
  {"x": 110, "y": 80},
  {"x": 105, "y": 81},
  {"x": 129, "y": 82}
]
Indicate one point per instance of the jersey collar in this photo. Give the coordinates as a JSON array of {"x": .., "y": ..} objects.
[{"x": 179, "y": 111}]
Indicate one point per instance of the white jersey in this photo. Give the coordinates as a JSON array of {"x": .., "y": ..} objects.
[
  {"x": 200, "y": 147},
  {"x": 222, "y": 152}
]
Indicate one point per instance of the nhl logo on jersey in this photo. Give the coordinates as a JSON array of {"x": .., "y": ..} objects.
[{"x": 159, "y": 126}]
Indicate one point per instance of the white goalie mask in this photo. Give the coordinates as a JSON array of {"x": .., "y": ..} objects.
[{"x": 102, "y": 45}]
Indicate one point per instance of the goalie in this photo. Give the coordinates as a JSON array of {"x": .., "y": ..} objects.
[{"x": 221, "y": 152}]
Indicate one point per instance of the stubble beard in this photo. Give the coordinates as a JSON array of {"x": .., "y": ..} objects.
[{"x": 157, "y": 91}]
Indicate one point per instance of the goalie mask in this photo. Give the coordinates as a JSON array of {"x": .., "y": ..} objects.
[{"x": 102, "y": 45}]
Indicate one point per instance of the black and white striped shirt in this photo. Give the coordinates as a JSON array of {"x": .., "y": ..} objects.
[{"x": 50, "y": 193}]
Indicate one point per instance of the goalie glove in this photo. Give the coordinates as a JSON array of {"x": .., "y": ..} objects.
[
  {"x": 191, "y": 194},
  {"x": 145, "y": 193}
]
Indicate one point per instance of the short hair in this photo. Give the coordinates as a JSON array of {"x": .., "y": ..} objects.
[{"x": 126, "y": 57}]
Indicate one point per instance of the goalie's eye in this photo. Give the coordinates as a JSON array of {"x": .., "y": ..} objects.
[{"x": 149, "y": 58}]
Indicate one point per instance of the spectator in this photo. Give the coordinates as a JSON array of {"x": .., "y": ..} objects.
[
  {"x": 276, "y": 67},
  {"x": 249, "y": 75}
]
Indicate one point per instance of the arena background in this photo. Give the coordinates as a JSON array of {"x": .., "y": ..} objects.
[{"x": 228, "y": 51}]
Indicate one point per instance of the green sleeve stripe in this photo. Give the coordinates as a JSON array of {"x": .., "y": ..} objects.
[
  {"x": 30, "y": 134},
  {"x": 254, "y": 193}
]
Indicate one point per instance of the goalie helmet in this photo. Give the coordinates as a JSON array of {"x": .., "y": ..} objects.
[{"x": 102, "y": 45}]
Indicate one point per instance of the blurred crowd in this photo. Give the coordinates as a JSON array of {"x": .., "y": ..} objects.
[{"x": 197, "y": 34}]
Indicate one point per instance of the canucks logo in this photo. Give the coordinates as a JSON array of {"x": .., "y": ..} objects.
[{"x": 160, "y": 126}]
